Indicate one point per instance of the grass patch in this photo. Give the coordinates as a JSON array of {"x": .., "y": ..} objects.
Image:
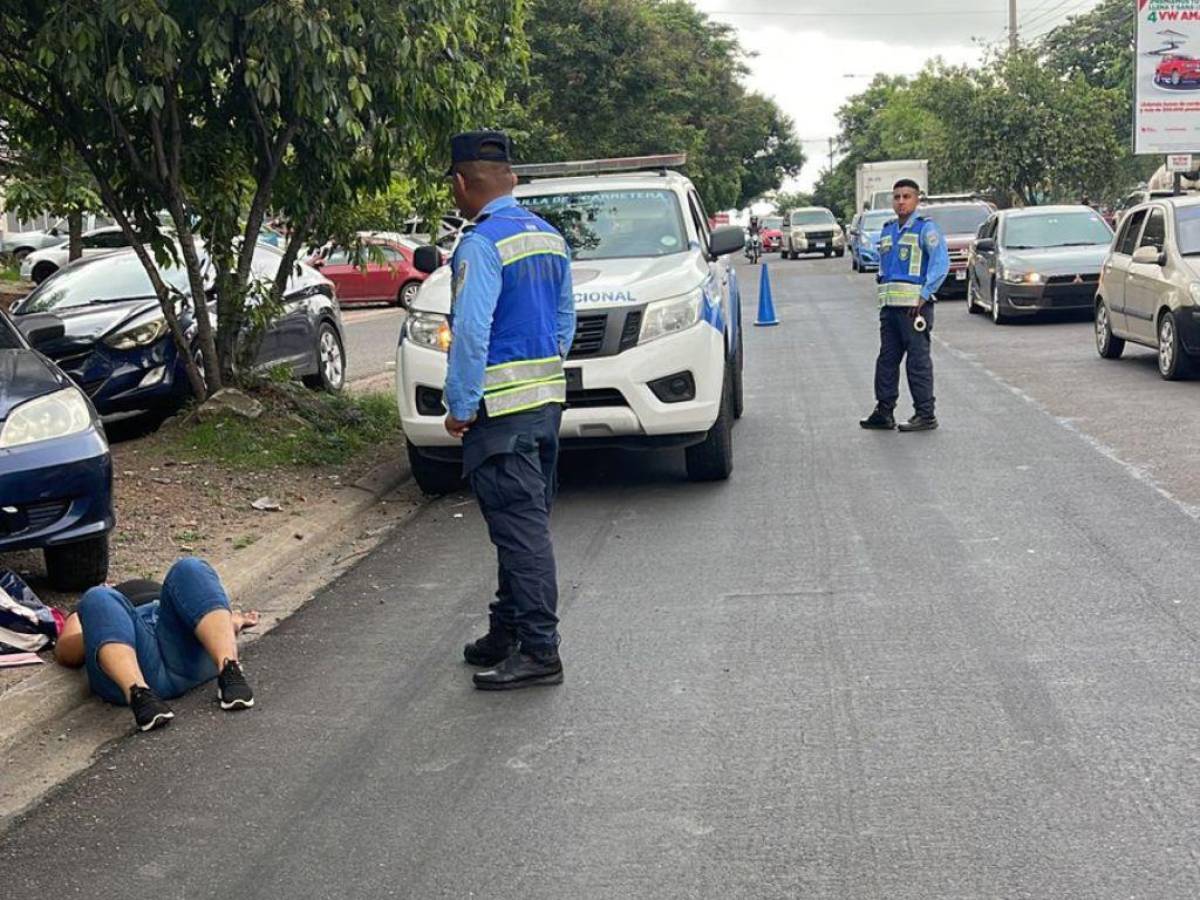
[
  {"x": 10, "y": 269},
  {"x": 298, "y": 428},
  {"x": 246, "y": 540}
]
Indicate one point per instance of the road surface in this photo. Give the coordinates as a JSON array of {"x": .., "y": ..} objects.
[
  {"x": 870, "y": 665},
  {"x": 372, "y": 333}
]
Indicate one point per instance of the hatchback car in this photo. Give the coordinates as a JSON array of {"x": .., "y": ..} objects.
[
  {"x": 1028, "y": 261},
  {"x": 770, "y": 228},
  {"x": 118, "y": 348},
  {"x": 1150, "y": 286},
  {"x": 1178, "y": 69},
  {"x": 863, "y": 238},
  {"x": 41, "y": 264},
  {"x": 55, "y": 469},
  {"x": 382, "y": 272}
]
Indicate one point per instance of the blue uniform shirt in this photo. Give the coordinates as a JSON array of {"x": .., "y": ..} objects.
[
  {"x": 478, "y": 278},
  {"x": 893, "y": 268}
]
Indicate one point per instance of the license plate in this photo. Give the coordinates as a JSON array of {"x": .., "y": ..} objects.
[
  {"x": 574, "y": 380},
  {"x": 822, "y": 245},
  {"x": 960, "y": 276}
]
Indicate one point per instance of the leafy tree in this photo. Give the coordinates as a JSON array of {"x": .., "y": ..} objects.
[
  {"x": 786, "y": 201},
  {"x": 217, "y": 112}
]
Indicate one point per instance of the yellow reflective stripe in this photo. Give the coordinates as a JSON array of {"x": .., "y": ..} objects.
[
  {"x": 520, "y": 399},
  {"x": 531, "y": 243},
  {"x": 899, "y": 293},
  {"x": 915, "y": 256},
  {"x": 524, "y": 370}
]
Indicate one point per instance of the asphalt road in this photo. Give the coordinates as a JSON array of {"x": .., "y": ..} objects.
[
  {"x": 372, "y": 333},
  {"x": 870, "y": 665}
]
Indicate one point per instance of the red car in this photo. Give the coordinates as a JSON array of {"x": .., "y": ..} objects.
[
  {"x": 1175, "y": 70},
  {"x": 771, "y": 232},
  {"x": 370, "y": 279}
]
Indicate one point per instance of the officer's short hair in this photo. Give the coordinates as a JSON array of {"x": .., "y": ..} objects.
[{"x": 906, "y": 183}]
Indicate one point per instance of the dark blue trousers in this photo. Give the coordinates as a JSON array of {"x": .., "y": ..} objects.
[
  {"x": 512, "y": 464},
  {"x": 899, "y": 341}
]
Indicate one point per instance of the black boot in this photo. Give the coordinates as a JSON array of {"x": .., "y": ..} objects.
[
  {"x": 491, "y": 649},
  {"x": 879, "y": 419},
  {"x": 521, "y": 670},
  {"x": 920, "y": 423}
]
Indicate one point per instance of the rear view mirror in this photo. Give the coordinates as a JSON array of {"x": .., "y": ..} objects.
[
  {"x": 427, "y": 259},
  {"x": 41, "y": 328},
  {"x": 985, "y": 245},
  {"x": 1148, "y": 256},
  {"x": 726, "y": 239}
]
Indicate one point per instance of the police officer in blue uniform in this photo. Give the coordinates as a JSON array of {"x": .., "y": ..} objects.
[
  {"x": 913, "y": 263},
  {"x": 512, "y": 323}
]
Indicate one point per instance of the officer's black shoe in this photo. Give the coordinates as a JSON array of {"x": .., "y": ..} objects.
[
  {"x": 919, "y": 423},
  {"x": 491, "y": 649},
  {"x": 521, "y": 670},
  {"x": 878, "y": 419}
]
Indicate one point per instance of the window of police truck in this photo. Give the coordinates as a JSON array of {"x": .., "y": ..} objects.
[
  {"x": 957, "y": 219},
  {"x": 1068, "y": 229},
  {"x": 813, "y": 217},
  {"x": 108, "y": 279},
  {"x": 614, "y": 224},
  {"x": 1187, "y": 230}
]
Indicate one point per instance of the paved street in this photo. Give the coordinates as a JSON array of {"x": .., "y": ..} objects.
[
  {"x": 870, "y": 665},
  {"x": 371, "y": 336}
]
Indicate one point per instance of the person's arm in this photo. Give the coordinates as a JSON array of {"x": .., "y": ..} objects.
[
  {"x": 477, "y": 281},
  {"x": 939, "y": 260},
  {"x": 566, "y": 312},
  {"x": 68, "y": 650}
]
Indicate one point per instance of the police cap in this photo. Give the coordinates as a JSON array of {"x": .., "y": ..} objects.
[{"x": 485, "y": 146}]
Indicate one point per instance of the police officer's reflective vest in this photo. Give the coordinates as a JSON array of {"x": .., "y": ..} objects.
[
  {"x": 524, "y": 369},
  {"x": 903, "y": 263}
]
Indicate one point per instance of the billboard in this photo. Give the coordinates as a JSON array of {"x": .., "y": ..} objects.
[{"x": 1167, "y": 84}]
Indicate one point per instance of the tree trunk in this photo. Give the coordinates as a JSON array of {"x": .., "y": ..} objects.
[{"x": 75, "y": 232}]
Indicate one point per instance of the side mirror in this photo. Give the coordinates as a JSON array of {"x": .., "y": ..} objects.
[
  {"x": 1149, "y": 256},
  {"x": 427, "y": 259},
  {"x": 41, "y": 328},
  {"x": 985, "y": 245},
  {"x": 726, "y": 239}
]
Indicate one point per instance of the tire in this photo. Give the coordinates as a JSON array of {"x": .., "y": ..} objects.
[
  {"x": 971, "y": 290},
  {"x": 21, "y": 252},
  {"x": 42, "y": 271},
  {"x": 434, "y": 476},
  {"x": 839, "y": 253},
  {"x": 1108, "y": 345},
  {"x": 854, "y": 263},
  {"x": 1175, "y": 78},
  {"x": 828, "y": 253},
  {"x": 78, "y": 566},
  {"x": 739, "y": 402},
  {"x": 998, "y": 318},
  {"x": 407, "y": 293},
  {"x": 712, "y": 458},
  {"x": 331, "y": 361},
  {"x": 1173, "y": 362}
]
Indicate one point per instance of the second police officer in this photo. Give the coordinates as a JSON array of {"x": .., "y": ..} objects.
[
  {"x": 512, "y": 323},
  {"x": 913, "y": 263}
]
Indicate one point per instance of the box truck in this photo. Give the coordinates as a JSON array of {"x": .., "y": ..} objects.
[{"x": 873, "y": 181}]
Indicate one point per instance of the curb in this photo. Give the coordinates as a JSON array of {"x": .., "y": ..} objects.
[{"x": 53, "y": 692}]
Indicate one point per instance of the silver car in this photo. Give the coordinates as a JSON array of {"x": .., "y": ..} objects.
[
  {"x": 1150, "y": 285},
  {"x": 812, "y": 230}
]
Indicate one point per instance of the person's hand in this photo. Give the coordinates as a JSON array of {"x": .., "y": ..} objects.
[
  {"x": 915, "y": 311},
  {"x": 456, "y": 428}
]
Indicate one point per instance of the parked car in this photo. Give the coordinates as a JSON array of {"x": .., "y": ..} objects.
[
  {"x": 41, "y": 264},
  {"x": 770, "y": 229},
  {"x": 812, "y": 230},
  {"x": 959, "y": 223},
  {"x": 21, "y": 243},
  {"x": 55, "y": 468},
  {"x": 118, "y": 348},
  {"x": 381, "y": 272},
  {"x": 449, "y": 227},
  {"x": 863, "y": 238},
  {"x": 1177, "y": 69},
  {"x": 1027, "y": 261},
  {"x": 1150, "y": 286}
]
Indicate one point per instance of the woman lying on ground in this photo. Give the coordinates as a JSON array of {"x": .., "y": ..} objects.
[{"x": 139, "y": 655}]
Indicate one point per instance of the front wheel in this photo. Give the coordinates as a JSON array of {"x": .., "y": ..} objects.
[
  {"x": 331, "y": 361},
  {"x": 998, "y": 317},
  {"x": 972, "y": 289},
  {"x": 1173, "y": 361},
  {"x": 840, "y": 253},
  {"x": 42, "y": 271},
  {"x": 407, "y": 294},
  {"x": 1108, "y": 345},
  {"x": 712, "y": 458},
  {"x": 77, "y": 566},
  {"x": 434, "y": 476}
]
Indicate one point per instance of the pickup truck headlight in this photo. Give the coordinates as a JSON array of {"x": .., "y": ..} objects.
[
  {"x": 669, "y": 316},
  {"x": 56, "y": 415},
  {"x": 142, "y": 334},
  {"x": 430, "y": 330}
]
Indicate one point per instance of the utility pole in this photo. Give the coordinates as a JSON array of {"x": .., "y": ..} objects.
[
  {"x": 1012, "y": 25},
  {"x": 831, "y": 155}
]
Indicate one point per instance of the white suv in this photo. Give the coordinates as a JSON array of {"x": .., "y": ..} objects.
[{"x": 657, "y": 356}]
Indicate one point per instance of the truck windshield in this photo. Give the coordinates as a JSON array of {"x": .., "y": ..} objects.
[
  {"x": 1187, "y": 230},
  {"x": 1055, "y": 229},
  {"x": 813, "y": 217},
  {"x": 614, "y": 224},
  {"x": 957, "y": 219}
]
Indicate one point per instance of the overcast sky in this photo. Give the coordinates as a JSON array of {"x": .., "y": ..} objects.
[{"x": 811, "y": 55}]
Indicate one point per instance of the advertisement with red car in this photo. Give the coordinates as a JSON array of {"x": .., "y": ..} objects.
[{"x": 1167, "y": 103}]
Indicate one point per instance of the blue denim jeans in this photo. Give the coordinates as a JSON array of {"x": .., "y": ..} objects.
[{"x": 163, "y": 633}]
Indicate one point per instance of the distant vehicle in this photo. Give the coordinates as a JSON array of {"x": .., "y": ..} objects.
[
  {"x": 41, "y": 264},
  {"x": 771, "y": 231},
  {"x": 1027, "y": 261},
  {"x": 874, "y": 181},
  {"x": 1150, "y": 287},
  {"x": 959, "y": 223},
  {"x": 863, "y": 238},
  {"x": 753, "y": 249},
  {"x": 117, "y": 347},
  {"x": 21, "y": 243},
  {"x": 1178, "y": 69},
  {"x": 812, "y": 230},
  {"x": 382, "y": 273},
  {"x": 55, "y": 468},
  {"x": 447, "y": 234}
]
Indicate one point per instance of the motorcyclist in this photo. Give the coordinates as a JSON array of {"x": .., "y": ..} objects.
[{"x": 754, "y": 245}]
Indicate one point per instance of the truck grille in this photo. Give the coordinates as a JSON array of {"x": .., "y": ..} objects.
[
  {"x": 589, "y": 335},
  {"x": 606, "y": 333},
  {"x": 820, "y": 235},
  {"x": 595, "y": 397}
]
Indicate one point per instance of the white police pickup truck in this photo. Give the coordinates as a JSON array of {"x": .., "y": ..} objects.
[{"x": 657, "y": 356}]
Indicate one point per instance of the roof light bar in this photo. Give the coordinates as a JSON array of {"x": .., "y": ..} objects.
[{"x": 597, "y": 166}]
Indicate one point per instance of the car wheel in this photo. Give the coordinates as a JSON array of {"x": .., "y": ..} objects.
[
  {"x": 42, "y": 271},
  {"x": 739, "y": 402},
  {"x": 1175, "y": 78},
  {"x": 331, "y": 361},
  {"x": 78, "y": 566},
  {"x": 972, "y": 289},
  {"x": 853, "y": 263},
  {"x": 21, "y": 252},
  {"x": 998, "y": 317},
  {"x": 840, "y": 253},
  {"x": 1173, "y": 361},
  {"x": 434, "y": 476},
  {"x": 1108, "y": 345},
  {"x": 712, "y": 458},
  {"x": 408, "y": 293}
]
